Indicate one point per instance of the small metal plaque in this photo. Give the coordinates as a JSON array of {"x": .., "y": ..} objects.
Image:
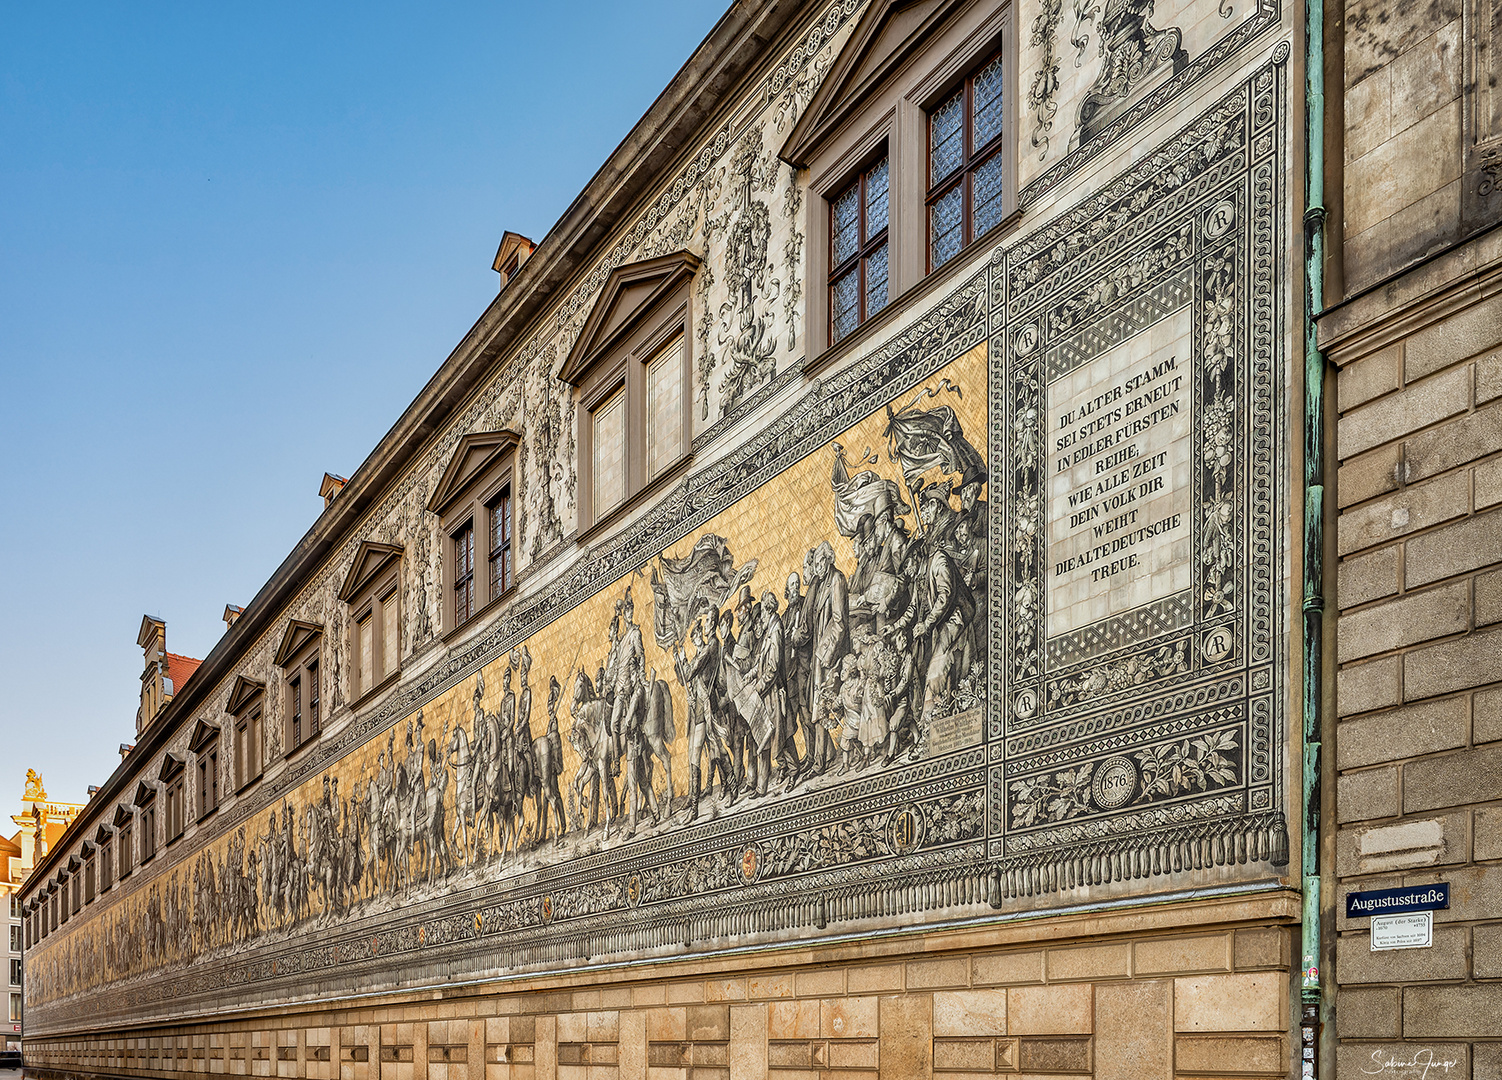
[{"x": 1412, "y": 931}]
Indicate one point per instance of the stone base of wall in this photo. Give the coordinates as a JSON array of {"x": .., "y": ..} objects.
[{"x": 1189, "y": 990}]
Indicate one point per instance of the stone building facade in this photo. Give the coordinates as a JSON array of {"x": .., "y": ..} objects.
[
  {"x": 838, "y": 612},
  {"x": 1415, "y": 334}
]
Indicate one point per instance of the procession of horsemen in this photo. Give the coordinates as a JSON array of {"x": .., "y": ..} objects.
[{"x": 837, "y": 673}]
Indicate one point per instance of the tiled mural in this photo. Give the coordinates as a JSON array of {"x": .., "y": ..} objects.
[{"x": 861, "y": 668}]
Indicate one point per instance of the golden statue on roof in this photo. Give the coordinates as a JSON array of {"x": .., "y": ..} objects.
[{"x": 34, "y": 789}]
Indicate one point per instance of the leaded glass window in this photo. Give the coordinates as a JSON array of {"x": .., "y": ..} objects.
[
  {"x": 501, "y": 567},
  {"x": 967, "y": 179},
  {"x": 858, "y": 251},
  {"x": 609, "y": 464},
  {"x": 665, "y": 408}
]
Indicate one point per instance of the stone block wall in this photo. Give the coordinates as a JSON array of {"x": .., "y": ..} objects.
[
  {"x": 1207, "y": 1000},
  {"x": 1418, "y": 743},
  {"x": 1404, "y": 159}
]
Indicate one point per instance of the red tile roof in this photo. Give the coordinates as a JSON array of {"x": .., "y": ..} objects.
[{"x": 180, "y": 669}]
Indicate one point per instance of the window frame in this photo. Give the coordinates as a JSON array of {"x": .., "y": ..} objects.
[
  {"x": 627, "y": 376},
  {"x": 247, "y": 723},
  {"x": 500, "y": 550},
  {"x": 174, "y": 776},
  {"x": 300, "y": 661},
  {"x": 642, "y": 310},
  {"x": 206, "y": 757},
  {"x": 484, "y": 468},
  {"x": 866, "y": 246},
  {"x": 369, "y": 602},
  {"x": 125, "y": 821},
  {"x": 971, "y": 158},
  {"x": 146, "y": 816}
]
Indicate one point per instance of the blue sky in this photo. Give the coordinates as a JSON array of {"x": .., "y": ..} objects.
[{"x": 235, "y": 242}]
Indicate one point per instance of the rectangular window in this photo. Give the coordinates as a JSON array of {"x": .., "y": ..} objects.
[
  {"x": 15, "y": 906},
  {"x": 176, "y": 819},
  {"x": 609, "y": 443},
  {"x": 208, "y": 778},
  {"x": 858, "y": 251},
  {"x": 106, "y": 865},
  {"x": 296, "y": 687},
  {"x": 89, "y": 882},
  {"x": 502, "y": 569},
  {"x": 315, "y": 724},
  {"x": 126, "y": 849},
  {"x": 15, "y": 1008},
  {"x": 304, "y": 692},
  {"x": 966, "y": 166},
  {"x": 77, "y": 894},
  {"x": 248, "y": 747},
  {"x": 365, "y": 654},
  {"x": 148, "y": 830},
  {"x": 464, "y": 574},
  {"x": 391, "y": 633},
  {"x": 665, "y": 408},
  {"x": 15, "y": 939},
  {"x": 15, "y": 973}
]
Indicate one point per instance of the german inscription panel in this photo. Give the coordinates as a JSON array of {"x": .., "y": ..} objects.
[{"x": 1139, "y": 660}]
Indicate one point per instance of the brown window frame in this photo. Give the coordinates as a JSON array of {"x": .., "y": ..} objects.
[
  {"x": 462, "y": 544},
  {"x": 107, "y": 863},
  {"x": 500, "y": 517},
  {"x": 481, "y": 473},
  {"x": 370, "y": 606},
  {"x": 205, "y": 749},
  {"x": 302, "y": 688},
  {"x": 146, "y": 815},
  {"x": 877, "y": 93},
  {"x": 972, "y": 158},
  {"x": 124, "y": 848},
  {"x": 627, "y": 376},
  {"x": 372, "y": 591},
  {"x": 866, "y": 246},
  {"x": 643, "y": 310},
  {"x": 250, "y": 742},
  {"x": 174, "y": 777}
]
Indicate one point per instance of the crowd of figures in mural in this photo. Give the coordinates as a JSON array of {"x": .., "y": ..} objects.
[{"x": 811, "y": 679}]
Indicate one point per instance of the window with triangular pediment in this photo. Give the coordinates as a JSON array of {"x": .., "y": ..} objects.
[
  {"x": 476, "y": 502},
  {"x": 631, "y": 369},
  {"x": 910, "y": 155}
]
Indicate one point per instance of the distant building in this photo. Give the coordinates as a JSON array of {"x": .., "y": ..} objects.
[{"x": 40, "y": 823}]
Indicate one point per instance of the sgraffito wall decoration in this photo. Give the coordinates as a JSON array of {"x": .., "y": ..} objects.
[{"x": 990, "y": 618}]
